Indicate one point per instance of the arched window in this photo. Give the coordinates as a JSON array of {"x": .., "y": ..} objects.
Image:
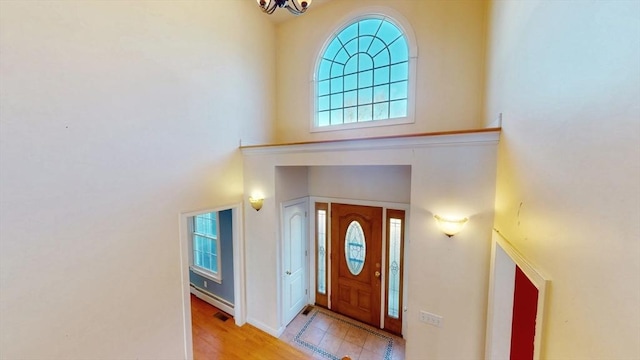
[{"x": 364, "y": 75}]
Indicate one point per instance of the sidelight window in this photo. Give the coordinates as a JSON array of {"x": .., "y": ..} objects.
[
  {"x": 395, "y": 239},
  {"x": 322, "y": 254},
  {"x": 394, "y": 269},
  {"x": 322, "y": 251}
]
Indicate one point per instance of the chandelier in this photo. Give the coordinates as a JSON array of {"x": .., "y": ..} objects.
[{"x": 296, "y": 7}]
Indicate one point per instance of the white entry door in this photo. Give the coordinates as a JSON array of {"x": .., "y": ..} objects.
[{"x": 294, "y": 264}]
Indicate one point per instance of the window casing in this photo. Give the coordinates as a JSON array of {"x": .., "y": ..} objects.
[
  {"x": 205, "y": 246},
  {"x": 365, "y": 76}
]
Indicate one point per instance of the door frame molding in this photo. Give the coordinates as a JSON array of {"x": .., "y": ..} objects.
[
  {"x": 281, "y": 255},
  {"x": 239, "y": 293},
  {"x": 407, "y": 245}
]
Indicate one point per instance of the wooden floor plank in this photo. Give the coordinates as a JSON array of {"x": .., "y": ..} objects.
[{"x": 216, "y": 339}]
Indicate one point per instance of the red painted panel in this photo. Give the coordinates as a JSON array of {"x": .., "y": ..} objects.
[{"x": 523, "y": 327}]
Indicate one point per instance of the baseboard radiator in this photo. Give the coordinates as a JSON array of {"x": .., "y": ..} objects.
[{"x": 212, "y": 299}]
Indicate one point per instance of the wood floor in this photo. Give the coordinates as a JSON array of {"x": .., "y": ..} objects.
[{"x": 216, "y": 339}]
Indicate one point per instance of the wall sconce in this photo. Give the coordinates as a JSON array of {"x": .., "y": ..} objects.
[
  {"x": 256, "y": 203},
  {"x": 450, "y": 226}
]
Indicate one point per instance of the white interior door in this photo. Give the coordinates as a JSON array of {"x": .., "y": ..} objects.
[{"x": 294, "y": 264}]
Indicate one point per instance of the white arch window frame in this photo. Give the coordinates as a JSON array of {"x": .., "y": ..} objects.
[{"x": 395, "y": 18}]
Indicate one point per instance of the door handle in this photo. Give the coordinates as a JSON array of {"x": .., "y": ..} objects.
[
  {"x": 377, "y": 274},
  {"x": 288, "y": 272}
]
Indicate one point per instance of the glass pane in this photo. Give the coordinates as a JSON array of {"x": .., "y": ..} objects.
[
  {"x": 381, "y": 93},
  {"x": 352, "y": 66},
  {"x": 382, "y": 59},
  {"x": 337, "y": 70},
  {"x": 400, "y": 71},
  {"x": 398, "y": 90},
  {"x": 388, "y": 32},
  {"x": 205, "y": 224},
  {"x": 351, "y": 47},
  {"x": 365, "y": 113},
  {"x": 342, "y": 57},
  {"x": 204, "y": 249},
  {"x": 207, "y": 261},
  {"x": 365, "y": 62},
  {"x": 350, "y": 115},
  {"x": 336, "y": 85},
  {"x": 336, "y": 101},
  {"x": 381, "y": 76},
  {"x": 336, "y": 117},
  {"x": 376, "y": 46},
  {"x": 322, "y": 251},
  {"x": 349, "y": 33},
  {"x": 365, "y": 96},
  {"x": 323, "y": 103},
  {"x": 355, "y": 248},
  {"x": 364, "y": 42},
  {"x": 323, "y": 87},
  {"x": 350, "y": 98},
  {"x": 381, "y": 111},
  {"x": 399, "y": 50},
  {"x": 323, "y": 118},
  {"x": 395, "y": 238},
  {"x": 332, "y": 49},
  {"x": 365, "y": 79},
  {"x": 398, "y": 109},
  {"x": 350, "y": 82},
  {"x": 369, "y": 26},
  {"x": 324, "y": 69}
]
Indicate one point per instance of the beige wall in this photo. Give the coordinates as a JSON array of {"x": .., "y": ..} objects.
[
  {"x": 116, "y": 117},
  {"x": 566, "y": 77},
  {"x": 450, "y": 38}
]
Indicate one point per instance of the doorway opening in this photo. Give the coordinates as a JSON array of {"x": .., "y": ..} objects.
[
  {"x": 386, "y": 187},
  {"x": 211, "y": 253},
  {"x": 359, "y": 252}
]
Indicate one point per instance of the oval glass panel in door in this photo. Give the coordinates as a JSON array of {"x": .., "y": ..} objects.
[{"x": 355, "y": 247}]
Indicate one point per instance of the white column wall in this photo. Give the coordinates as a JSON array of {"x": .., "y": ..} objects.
[{"x": 445, "y": 276}]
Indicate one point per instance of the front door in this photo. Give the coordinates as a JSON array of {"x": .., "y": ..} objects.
[
  {"x": 356, "y": 242},
  {"x": 295, "y": 293}
]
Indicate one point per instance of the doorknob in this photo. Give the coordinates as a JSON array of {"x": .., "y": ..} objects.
[
  {"x": 377, "y": 274},
  {"x": 288, "y": 272}
]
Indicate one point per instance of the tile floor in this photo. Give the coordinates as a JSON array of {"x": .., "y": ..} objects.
[{"x": 327, "y": 335}]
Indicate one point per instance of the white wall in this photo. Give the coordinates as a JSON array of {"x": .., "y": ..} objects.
[
  {"x": 374, "y": 183},
  {"x": 115, "y": 117},
  {"x": 449, "y": 276},
  {"x": 566, "y": 76},
  {"x": 292, "y": 182},
  {"x": 450, "y": 37}
]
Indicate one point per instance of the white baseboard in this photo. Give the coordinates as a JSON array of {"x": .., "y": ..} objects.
[
  {"x": 262, "y": 326},
  {"x": 220, "y": 304}
]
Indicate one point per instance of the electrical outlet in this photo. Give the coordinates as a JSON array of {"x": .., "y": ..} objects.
[
  {"x": 205, "y": 283},
  {"x": 431, "y": 319}
]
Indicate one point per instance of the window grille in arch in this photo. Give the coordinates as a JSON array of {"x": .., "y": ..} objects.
[{"x": 363, "y": 74}]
